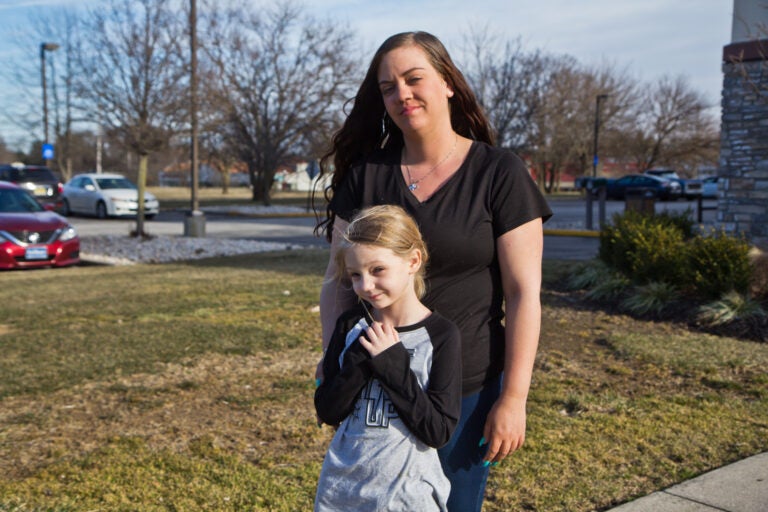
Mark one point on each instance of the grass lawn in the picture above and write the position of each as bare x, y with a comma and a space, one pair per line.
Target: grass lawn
180, 197
189, 387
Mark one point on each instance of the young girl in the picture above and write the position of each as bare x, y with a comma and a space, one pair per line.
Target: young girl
392, 375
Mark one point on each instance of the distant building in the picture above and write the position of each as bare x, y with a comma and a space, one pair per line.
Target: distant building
302, 177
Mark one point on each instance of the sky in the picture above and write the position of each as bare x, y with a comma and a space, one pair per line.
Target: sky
646, 38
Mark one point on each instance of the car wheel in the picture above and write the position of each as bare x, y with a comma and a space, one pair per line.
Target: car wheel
149, 216
65, 209
101, 210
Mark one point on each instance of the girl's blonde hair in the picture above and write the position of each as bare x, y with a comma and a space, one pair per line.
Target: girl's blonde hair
386, 226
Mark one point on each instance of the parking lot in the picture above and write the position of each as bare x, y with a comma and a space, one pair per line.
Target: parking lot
564, 230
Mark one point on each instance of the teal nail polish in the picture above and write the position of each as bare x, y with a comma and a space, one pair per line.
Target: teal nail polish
494, 464
482, 441
486, 463
317, 383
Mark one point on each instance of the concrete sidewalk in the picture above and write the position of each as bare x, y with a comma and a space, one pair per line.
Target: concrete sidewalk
738, 487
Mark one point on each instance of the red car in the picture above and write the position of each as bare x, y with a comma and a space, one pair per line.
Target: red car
32, 236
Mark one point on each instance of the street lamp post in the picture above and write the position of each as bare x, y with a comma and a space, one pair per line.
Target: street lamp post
600, 97
43, 48
194, 223
591, 185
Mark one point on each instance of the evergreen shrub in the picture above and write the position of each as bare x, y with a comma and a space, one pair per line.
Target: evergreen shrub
665, 248
718, 264
644, 247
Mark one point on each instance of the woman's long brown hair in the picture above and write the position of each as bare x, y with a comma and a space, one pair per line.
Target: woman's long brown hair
367, 129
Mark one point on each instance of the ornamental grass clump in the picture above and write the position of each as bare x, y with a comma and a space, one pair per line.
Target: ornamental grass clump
609, 289
654, 298
587, 275
746, 315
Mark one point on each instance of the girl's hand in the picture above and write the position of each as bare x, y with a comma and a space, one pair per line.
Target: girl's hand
378, 338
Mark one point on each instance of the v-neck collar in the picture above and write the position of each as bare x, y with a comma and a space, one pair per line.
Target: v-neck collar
411, 198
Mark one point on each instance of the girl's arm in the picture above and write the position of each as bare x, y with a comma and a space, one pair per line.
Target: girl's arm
336, 395
520, 254
431, 414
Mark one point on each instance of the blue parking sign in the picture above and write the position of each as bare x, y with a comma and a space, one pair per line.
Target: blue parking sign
47, 151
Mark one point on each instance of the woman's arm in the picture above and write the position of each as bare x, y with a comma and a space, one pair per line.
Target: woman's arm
520, 254
334, 297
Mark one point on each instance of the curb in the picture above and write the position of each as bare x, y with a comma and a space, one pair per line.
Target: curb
267, 215
572, 232
548, 232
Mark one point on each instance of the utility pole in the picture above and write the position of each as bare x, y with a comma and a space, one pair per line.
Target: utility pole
194, 225
600, 97
43, 48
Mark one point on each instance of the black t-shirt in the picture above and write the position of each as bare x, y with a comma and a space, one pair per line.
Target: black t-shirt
489, 195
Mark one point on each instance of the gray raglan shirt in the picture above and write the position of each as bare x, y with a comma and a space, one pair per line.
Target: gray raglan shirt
394, 410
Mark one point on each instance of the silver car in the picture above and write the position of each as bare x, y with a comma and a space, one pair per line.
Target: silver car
105, 195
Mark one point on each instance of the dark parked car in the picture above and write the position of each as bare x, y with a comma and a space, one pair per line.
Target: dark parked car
659, 188
31, 235
709, 189
38, 180
691, 187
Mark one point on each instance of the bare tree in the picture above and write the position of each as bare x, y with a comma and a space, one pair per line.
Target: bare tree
6, 155
131, 73
543, 106
56, 29
671, 126
564, 124
66, 112
280, 79
507, 81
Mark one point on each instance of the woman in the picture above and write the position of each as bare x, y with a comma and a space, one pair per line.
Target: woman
416, 137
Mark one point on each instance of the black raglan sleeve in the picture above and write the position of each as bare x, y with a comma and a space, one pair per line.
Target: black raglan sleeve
431, 414
336, 396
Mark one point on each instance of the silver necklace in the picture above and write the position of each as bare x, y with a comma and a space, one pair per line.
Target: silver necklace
414, 184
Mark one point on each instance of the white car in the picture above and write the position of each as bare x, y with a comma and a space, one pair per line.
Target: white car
105, 195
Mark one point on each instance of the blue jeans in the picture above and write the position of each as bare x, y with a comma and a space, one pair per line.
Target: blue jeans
462, 457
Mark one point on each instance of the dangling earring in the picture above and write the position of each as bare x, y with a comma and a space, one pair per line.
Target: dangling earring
384, 130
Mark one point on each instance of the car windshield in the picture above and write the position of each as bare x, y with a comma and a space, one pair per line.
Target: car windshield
37, 175
112, 183
18, 201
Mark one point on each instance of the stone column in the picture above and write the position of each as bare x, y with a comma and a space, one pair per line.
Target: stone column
743, 191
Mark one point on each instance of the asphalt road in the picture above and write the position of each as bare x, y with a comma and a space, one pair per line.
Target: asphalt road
562, 241
295, 230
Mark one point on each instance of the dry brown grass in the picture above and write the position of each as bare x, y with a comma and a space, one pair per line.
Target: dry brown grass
222, 417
